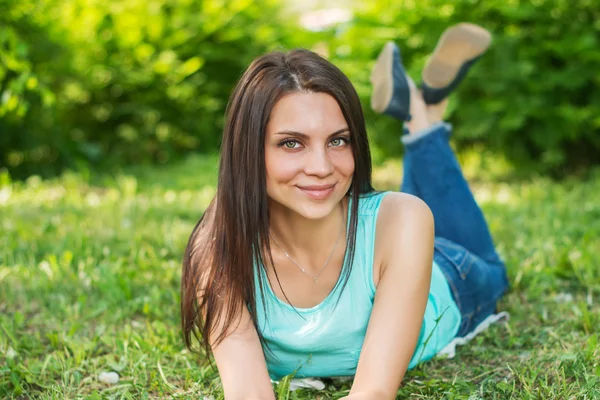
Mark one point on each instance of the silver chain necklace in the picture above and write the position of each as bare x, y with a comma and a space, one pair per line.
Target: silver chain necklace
316, 277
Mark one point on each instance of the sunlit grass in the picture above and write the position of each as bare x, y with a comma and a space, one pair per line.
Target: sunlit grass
90, 270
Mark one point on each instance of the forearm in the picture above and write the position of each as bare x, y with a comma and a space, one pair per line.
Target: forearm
399, 305
242, 365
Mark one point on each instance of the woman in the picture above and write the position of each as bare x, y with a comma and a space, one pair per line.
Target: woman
299, 266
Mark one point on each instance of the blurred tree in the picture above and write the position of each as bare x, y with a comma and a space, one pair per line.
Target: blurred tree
23, 91
128, 82
534, 96
110, 82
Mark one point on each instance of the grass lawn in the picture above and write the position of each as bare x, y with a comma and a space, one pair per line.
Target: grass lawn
89, 283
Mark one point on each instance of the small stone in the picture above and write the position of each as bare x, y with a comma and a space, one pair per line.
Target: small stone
563, 298
11, 353
525, 355
108, 377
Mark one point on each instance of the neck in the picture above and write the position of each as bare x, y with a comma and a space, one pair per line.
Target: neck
299, 236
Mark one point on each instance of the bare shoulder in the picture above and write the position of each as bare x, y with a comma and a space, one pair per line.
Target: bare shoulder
405, 223
402, 208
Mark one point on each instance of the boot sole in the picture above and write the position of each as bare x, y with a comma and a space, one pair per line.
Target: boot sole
457, 45
382, 79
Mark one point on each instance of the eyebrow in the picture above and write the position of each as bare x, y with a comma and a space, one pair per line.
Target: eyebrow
305, 136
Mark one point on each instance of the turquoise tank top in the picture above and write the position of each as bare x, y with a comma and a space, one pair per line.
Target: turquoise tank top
326, 340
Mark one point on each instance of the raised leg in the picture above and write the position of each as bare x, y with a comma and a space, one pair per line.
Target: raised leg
433, 170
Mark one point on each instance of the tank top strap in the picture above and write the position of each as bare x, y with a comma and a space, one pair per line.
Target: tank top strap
364, 253
369, 203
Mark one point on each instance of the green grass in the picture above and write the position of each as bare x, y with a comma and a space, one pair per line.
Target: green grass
89, 282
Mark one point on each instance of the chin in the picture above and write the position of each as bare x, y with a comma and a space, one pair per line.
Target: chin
315, 208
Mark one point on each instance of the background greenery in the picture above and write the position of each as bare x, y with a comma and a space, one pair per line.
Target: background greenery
89, 83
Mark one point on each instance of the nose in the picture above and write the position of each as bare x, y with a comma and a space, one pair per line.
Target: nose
318, 163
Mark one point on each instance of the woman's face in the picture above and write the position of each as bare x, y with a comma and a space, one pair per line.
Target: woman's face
308, 154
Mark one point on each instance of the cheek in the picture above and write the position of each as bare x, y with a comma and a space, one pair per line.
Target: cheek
280, 168
345, 163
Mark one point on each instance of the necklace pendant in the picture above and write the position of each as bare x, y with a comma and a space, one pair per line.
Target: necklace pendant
315, 278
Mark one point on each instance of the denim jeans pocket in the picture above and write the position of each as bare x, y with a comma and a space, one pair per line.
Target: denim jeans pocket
458, 256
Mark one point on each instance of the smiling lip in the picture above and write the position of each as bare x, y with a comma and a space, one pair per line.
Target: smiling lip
317, 192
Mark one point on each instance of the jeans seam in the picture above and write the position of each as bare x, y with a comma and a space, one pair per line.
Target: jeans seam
456, 295
472, 260
456, 266
466, 320
453, 288
459, 267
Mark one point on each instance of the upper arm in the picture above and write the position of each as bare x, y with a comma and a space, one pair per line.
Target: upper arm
405, 235
241, 362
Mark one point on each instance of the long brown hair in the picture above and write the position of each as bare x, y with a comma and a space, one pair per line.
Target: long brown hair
231, 239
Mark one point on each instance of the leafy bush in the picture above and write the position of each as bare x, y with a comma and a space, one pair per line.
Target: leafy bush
130, 82
118, 82
23, 91
534, 96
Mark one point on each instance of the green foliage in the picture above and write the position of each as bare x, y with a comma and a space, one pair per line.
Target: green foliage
533, 96
90, 274
130, 82
113, 82
23, 90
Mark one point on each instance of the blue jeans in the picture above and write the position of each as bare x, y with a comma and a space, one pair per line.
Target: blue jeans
463, 248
